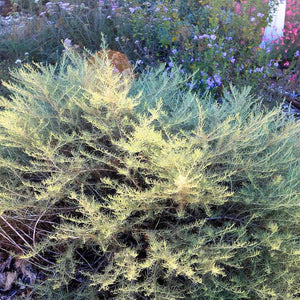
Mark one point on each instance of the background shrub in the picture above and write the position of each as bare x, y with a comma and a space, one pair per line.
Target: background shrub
117, 202
218, 39
289, 43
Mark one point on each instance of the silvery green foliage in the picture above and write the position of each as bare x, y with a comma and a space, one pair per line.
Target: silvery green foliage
174, 91
108, 194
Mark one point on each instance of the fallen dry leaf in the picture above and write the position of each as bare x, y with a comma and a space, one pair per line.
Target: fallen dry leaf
10, 279
25, 269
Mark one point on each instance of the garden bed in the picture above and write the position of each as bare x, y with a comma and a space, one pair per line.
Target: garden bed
180, 181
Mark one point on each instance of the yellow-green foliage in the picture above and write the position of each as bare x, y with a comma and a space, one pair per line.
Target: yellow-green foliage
118, 204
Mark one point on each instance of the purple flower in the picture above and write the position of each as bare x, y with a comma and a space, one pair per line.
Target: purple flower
260, 15
218, 79
276, 64
232, 60
213, 37
67, 43
297, 53
174, 51
260, 70
210, 82
224, 54
203, 36
133, 9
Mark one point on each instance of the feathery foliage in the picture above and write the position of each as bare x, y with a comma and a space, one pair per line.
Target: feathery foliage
106, 192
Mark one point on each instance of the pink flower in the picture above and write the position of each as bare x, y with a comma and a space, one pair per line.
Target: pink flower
238, 8
293, 78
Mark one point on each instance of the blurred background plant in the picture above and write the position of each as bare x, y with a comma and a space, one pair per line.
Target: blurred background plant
218, 39
289, 43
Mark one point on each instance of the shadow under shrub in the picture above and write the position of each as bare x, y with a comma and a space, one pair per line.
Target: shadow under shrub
135, 208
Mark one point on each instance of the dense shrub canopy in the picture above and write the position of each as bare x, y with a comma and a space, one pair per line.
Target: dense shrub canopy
113, 199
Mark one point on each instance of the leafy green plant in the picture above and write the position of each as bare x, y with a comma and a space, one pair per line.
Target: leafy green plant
111, 200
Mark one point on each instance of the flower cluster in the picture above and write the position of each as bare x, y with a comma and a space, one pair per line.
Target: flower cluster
290, 41
51, 7
217, 39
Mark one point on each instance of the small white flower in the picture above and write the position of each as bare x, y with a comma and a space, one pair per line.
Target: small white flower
18, 61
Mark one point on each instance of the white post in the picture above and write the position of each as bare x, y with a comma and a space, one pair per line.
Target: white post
274, 30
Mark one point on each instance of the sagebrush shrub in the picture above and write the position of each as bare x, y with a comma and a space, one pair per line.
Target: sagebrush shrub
117, 201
